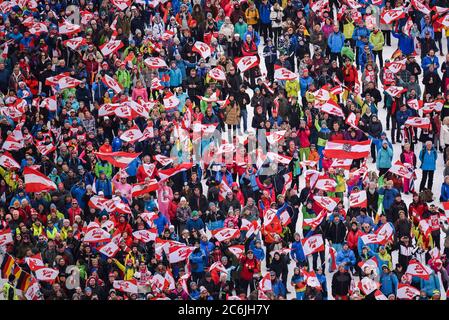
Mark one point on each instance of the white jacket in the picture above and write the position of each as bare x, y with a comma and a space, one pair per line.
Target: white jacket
276, 15
444, 135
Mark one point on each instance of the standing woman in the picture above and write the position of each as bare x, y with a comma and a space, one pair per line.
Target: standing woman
408, 156
428, 157
249, 266
232, 116
444, 137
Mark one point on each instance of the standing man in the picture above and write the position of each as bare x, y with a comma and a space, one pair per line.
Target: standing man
428, 157
336, 42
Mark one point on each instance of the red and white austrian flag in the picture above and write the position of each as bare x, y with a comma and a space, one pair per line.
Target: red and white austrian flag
75, 43
276, 136
145, 235
347, 149
415, 104
395, 91
388, 16
63, 81
322, 94
237, 250
281, 73
36, 181
128, 286
315, 222
110, 47
155, 63
358, 199
11, 144
225, 234
372, 238
117, 159
163, 160
144, 188
45, 149
5, 237
368, 285
246, 63
68, 28
378, 295
34, 262
418, 122
386, 232
217, 74
279, 158
342, 163
167, 173
396, 66
440, 10
326, 184
406, 292
46, 274
418, 5
203, 49
8, 162
313, 244
417, 269
96, 235
132, 134
121, 4
327, 203
112, 83
50, 104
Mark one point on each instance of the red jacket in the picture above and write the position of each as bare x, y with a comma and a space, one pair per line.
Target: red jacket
303, 136
353, 238
249, 268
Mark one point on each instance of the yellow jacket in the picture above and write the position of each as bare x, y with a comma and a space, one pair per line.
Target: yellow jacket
8, 177
128, 272
252, 16
292, 88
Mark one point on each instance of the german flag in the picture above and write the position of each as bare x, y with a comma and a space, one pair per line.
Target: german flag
7, 266
23, 279
396, 53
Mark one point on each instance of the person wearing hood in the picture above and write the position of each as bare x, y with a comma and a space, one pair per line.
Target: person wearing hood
384, 158
346, 257
388, 281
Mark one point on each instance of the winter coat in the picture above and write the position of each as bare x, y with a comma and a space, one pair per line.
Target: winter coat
388, 283
347, 257
428, 159
384, 158
336, 42
232, 115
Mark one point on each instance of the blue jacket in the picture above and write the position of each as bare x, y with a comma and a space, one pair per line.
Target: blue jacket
228, 176
402, 116
406, 43
427, 61
175, 77
195, 224
428, 160
131, 170
444, 196
105, 186
297, 251
372, 246
278, 288
384, 157
430, 285
360, 32
198, 260
336, 42
388, 283
389, 195
264, 13
207, 247
365, 219
160, 222
78, 192
346, 256
258, 252
304, 84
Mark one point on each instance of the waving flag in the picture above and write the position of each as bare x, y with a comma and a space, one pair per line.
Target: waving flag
217, 74
396, 66
372, 238
331, 107
8, 162
313, 244
418, 5
327, 203
12, 144
121, 4
371, 263
171, 101
403, 170
96, 235
155, 63
223, 234
386, 232
143, 188
145, 235
346, 149
46, 274
179, 253
281, 73
203, 49
111, 47
117, 159
440, 10
163, 160
326, 184
415, 104
112, 83
314, 222
406, 292
50, 104
5, 237
45, 149
68, 28
358, 199
237, 250
75, 43
395, 91
388, 16
378, 295
423, 123
37, 28
367, 285
246, 63
417, 269
276, 136
342, 163
36, 181
128, 286
132, 135
62, 81
167, 173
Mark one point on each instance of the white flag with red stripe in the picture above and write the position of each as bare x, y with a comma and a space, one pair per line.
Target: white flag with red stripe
346, 149
415, 104
46, 274
358, 199
326, 184
12, 144
313, 244
372, 238
177, 253
163, 160
75, 43
167, 173
367, 285
96, 235
315, 222
246, 63
50, 104
378, 295
203, 49
128, 286
37, 28
395, 91
217, 74
143, 188
112, 83
121, 4
396, 66
342, 163
170, 101
417, 269
331, 107
237, 250
36, 181
132, 134
327, 203
418, 5
110, 249
5, 237
145, 235
68, 28
401, 169
265, 282
117, 159
45, 149
388, 16
35, 261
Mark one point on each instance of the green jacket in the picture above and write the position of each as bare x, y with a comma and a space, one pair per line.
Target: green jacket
307, 214
124, 78
377, 40
107, 168
240, 28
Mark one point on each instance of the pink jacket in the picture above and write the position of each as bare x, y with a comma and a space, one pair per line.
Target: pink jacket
140, 92
164, 197
124, 188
